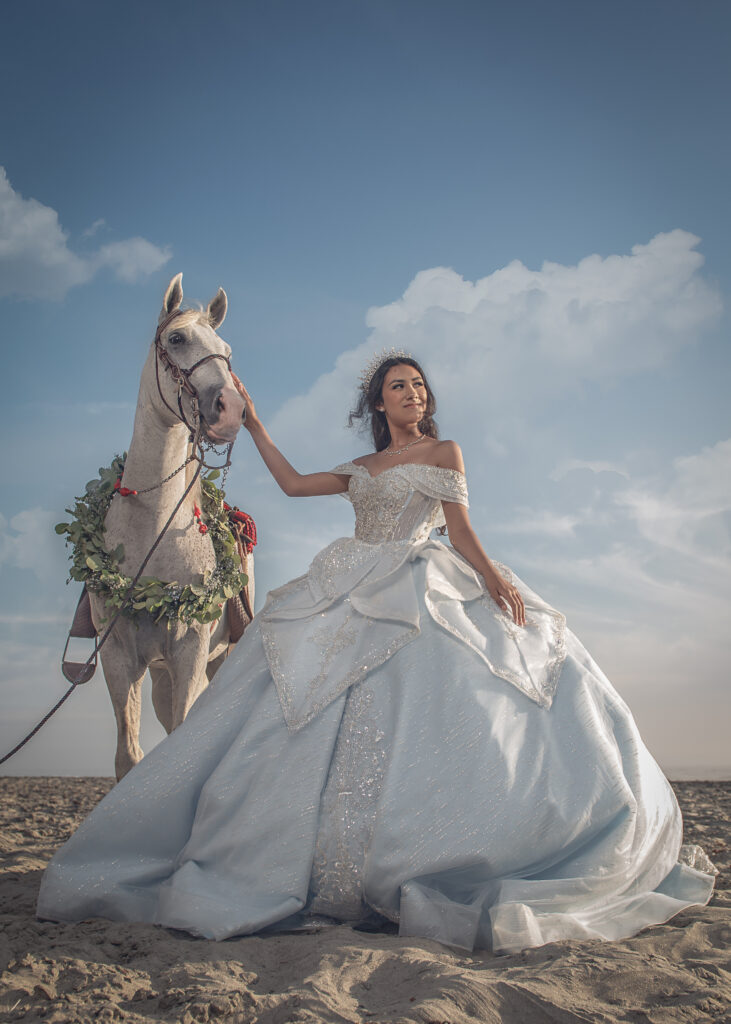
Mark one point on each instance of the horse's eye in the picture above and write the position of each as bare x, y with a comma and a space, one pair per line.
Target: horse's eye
176, 339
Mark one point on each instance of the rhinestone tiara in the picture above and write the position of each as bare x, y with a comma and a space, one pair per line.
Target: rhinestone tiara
380, 357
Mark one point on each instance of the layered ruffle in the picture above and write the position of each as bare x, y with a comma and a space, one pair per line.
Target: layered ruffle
359, 603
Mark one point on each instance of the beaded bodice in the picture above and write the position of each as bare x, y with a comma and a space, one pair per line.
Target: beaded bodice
403, 502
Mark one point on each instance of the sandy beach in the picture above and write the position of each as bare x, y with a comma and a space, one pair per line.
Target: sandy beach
110, 971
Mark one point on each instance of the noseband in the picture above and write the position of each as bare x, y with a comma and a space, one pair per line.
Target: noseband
180, 374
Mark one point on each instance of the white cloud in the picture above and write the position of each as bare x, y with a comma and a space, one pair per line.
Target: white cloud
29, 542
540, 522
613, 315
518, 339
93, 228
567, 466
132, 259
690, 514
35, 258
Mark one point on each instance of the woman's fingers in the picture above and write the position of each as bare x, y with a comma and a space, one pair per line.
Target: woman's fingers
249, 410
509, 600
240, 387
518, 607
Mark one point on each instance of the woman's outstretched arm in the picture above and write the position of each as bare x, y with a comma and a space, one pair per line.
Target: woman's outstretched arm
464, 539
294, 484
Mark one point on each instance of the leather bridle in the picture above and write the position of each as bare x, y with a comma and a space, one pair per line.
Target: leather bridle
180, 374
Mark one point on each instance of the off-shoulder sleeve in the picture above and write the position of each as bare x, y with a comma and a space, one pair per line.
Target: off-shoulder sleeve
345, 469
444, 484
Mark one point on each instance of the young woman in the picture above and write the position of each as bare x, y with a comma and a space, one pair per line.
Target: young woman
405, 733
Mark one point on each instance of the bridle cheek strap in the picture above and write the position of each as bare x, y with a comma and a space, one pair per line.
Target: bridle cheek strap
180, 374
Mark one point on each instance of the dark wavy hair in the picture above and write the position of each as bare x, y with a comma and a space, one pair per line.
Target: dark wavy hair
365, 413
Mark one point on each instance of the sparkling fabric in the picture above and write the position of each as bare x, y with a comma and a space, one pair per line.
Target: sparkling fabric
384, 741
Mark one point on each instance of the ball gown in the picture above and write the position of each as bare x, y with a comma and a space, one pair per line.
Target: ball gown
386, 743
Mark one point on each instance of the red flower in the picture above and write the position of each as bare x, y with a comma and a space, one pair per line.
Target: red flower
196, 512
203, 528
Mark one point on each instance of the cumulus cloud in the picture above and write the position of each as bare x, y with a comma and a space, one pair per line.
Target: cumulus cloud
37, 262
132, 259
523, 337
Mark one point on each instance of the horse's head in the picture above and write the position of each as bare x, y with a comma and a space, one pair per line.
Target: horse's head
193, 363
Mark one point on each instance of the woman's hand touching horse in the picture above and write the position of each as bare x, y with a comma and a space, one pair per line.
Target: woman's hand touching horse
294, 484
249, 418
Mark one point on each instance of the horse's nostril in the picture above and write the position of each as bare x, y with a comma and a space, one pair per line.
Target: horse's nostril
220, 404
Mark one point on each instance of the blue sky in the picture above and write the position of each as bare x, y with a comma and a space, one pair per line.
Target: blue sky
531, 196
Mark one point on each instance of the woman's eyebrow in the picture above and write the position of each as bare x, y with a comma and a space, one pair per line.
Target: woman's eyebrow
402, 380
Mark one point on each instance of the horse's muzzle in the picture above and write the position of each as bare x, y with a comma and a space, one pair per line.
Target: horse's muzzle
222, 410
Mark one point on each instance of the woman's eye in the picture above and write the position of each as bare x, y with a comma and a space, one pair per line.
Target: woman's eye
176, 339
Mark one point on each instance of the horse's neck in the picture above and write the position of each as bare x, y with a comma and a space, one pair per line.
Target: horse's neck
154, 452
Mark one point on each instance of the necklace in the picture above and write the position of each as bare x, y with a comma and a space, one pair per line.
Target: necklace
388, 451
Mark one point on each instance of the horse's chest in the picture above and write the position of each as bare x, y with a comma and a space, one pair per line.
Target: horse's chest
184, 554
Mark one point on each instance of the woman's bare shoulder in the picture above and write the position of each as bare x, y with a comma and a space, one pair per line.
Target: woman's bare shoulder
448, 455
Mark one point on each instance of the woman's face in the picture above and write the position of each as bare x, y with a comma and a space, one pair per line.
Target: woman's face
404, 397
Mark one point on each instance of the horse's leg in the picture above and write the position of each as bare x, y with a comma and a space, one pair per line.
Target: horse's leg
186, 659
124, 677
218, 645
124, 669
162, 695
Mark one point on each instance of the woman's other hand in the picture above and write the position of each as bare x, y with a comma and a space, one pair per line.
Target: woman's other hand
506, 597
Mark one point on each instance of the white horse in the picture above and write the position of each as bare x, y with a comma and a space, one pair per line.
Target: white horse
183, 657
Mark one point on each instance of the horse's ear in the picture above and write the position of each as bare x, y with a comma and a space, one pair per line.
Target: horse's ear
217, 309
173, 297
